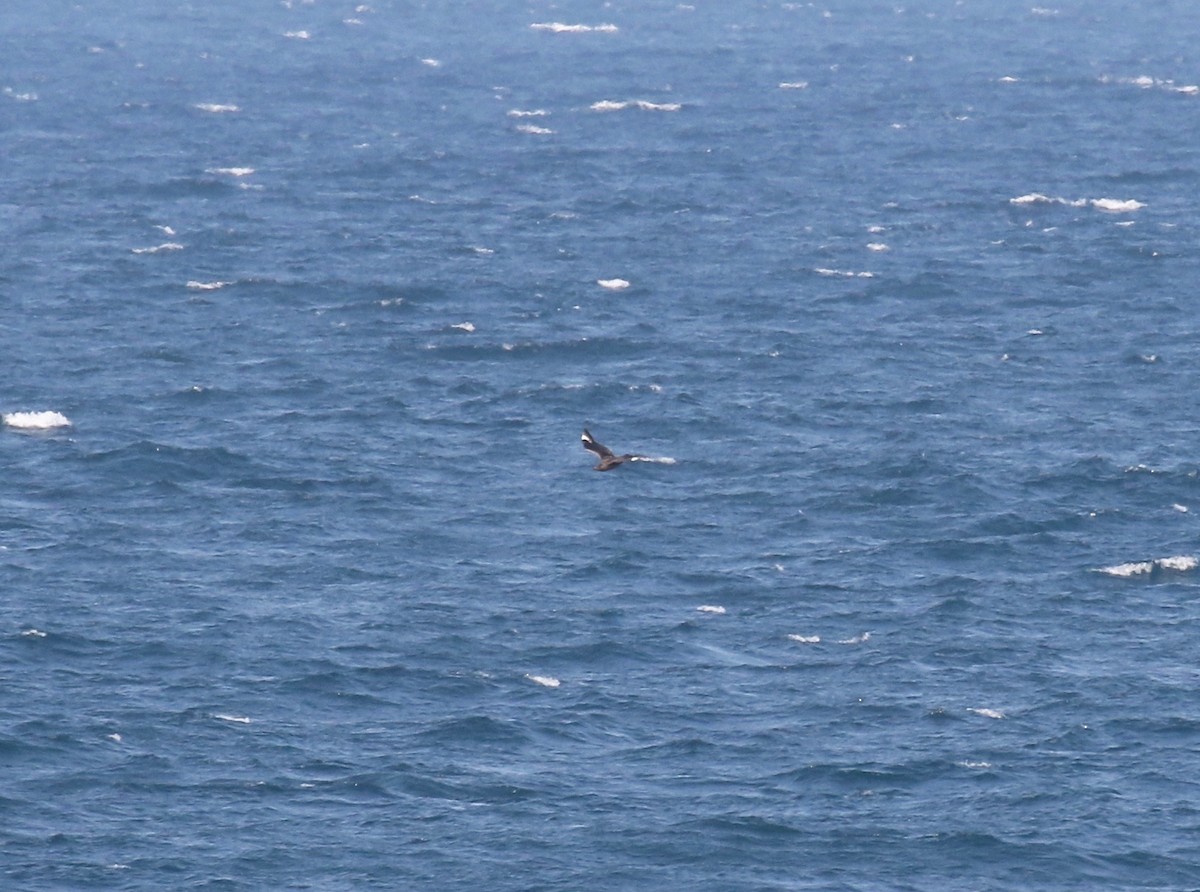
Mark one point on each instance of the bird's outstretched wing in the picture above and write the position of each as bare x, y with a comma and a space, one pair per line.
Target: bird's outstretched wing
590, 444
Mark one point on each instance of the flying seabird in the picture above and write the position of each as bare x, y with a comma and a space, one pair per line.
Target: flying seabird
608, 461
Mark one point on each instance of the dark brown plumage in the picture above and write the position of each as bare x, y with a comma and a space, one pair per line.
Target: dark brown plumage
608, 460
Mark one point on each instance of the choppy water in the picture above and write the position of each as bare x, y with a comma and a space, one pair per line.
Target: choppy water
306, 583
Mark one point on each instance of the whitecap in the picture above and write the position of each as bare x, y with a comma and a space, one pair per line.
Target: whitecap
966, 763
1182, 509
165, 230
857, 639
464, 326
297, 35
238, 719
793, 85
1179, 564
1116, 205
1183, 563
609, 105
846, 274
546, 681
166, 246
805, 639
35, 420
534, 130
483, 252
711, 608
655, 459
563, 28
230, 171
613, 284
432, 63
20, 97
530, 113
878, 246
193, 285
988, 713
216, 108
34, 633
115, 738
1108, 205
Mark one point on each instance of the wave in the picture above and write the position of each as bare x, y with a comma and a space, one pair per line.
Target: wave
157, 249
562, 28
237, 719
230, 171
194, 285
216, 108
845, 274
1109, 205
1177, 564
36, 421
608, 105
613, 284
1146, 82
534, 130
546, 681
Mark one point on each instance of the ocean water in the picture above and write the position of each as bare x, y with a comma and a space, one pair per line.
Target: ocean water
307, 583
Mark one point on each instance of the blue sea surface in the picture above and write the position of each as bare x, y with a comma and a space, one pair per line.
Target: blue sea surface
307, 583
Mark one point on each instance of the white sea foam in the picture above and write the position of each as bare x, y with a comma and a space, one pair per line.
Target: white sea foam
613, 284
166, 246
165, 230
988, 713
528, 113
1146, 82
432, 63
563, 28
115, 738
546, 681
712, 608
216, 108
805, 639
966, 763
609, 105
464, 326
878, 246
297, 35
857, 639
20, 97
845, 274
36, 421
238, 719
34, 633
534, 129
206, 286
1182, 509
655, 459
793, 85
1109, 205
1115, 205
230, 171
1178, 564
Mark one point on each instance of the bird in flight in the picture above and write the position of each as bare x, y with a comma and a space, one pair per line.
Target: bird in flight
608, 460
